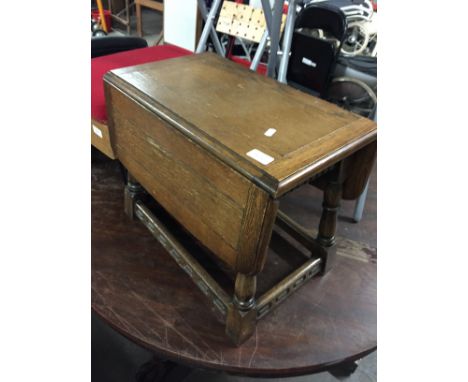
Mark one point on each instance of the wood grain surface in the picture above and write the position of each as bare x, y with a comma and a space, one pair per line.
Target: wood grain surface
215, 203
139, 290
100, 138
226, 109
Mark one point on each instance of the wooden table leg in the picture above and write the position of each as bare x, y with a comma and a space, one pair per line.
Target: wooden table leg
133, 192
330, 207
242, 314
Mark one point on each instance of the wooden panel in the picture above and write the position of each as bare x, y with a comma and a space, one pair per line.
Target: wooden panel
203, 194
231, 108
156, 5
258, 24
226, 16
169, 141
100, 138
326, 153
251, 256
358, 168
243, 21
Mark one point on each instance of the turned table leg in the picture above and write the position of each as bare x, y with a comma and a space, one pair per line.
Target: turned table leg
327, 227
133, 192
242, 313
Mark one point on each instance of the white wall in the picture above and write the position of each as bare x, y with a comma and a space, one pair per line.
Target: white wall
180, 21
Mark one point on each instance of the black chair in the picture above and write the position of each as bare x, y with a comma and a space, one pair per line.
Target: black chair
102, 46
320, 30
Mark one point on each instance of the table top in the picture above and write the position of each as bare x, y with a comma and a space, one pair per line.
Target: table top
261, 128
139, 290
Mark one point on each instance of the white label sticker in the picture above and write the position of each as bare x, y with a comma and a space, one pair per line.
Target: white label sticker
308, 62
270, 132
97, 131
260, 156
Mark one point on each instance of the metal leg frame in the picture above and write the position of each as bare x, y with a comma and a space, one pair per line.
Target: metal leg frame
209, 28
273, 20
268, 15
359, 207
263, 42
244, 47
287, 39
274, 37
259, 53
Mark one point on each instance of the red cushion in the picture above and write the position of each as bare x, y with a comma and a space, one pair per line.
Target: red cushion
101, 65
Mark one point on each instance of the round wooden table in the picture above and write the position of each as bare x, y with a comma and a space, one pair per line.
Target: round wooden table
139, 290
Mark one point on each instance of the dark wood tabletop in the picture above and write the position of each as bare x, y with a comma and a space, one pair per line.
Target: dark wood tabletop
228, 109
140, 291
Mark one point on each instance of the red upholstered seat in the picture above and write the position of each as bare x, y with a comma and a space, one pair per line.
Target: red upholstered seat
101, 65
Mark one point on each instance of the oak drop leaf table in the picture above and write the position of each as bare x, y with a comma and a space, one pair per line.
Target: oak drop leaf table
140, 291
217, 146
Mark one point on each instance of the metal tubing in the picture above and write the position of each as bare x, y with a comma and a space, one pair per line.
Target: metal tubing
244, 47
359, 207
268, 14
259, 53
208, 25
287, 39
214, 36
275, 37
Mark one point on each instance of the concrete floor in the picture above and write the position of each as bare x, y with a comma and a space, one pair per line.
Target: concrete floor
116, 359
